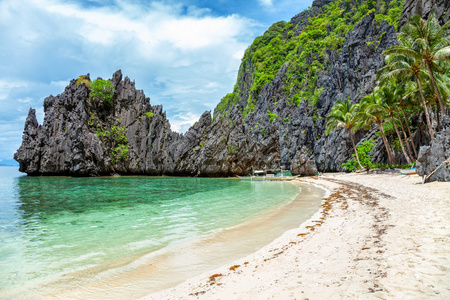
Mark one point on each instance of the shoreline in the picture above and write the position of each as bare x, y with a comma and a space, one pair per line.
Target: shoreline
375, 236
174, 264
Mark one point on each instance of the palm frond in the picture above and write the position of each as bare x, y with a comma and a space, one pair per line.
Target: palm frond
443, 54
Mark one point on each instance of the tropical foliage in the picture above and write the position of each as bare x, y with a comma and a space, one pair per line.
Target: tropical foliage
363, 150
414, 81
102, 91
83, 79
345, 115
373, 111
301, 51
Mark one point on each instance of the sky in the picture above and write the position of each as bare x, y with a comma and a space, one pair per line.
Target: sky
184, 54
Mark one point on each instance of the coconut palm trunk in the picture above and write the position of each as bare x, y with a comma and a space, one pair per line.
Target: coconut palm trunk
354, 148
386, 143
408, 160
409, 132
424, 104
344, 114
438, 94
404, 134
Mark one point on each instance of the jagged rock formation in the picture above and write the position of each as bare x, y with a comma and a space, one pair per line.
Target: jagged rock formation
430, 157
425, 8
67, 143
351, 73
303, 163
79, 137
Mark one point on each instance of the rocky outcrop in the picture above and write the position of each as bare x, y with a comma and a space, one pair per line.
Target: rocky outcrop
303, 163
30, 150
432, 156
425, 8
80, 137
352, 74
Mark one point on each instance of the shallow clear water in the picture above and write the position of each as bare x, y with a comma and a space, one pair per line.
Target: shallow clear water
51, 227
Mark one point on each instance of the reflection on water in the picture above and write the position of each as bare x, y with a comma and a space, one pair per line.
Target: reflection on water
51, 226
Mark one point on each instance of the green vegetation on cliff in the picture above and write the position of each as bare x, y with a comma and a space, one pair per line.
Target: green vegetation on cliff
102, 91
302, 51
414, 80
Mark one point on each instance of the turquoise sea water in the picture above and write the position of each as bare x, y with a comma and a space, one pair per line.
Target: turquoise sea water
54, 227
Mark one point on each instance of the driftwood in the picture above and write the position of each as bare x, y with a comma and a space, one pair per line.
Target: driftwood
447, 162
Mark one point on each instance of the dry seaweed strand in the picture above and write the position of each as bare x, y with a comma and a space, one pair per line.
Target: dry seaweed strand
347, 190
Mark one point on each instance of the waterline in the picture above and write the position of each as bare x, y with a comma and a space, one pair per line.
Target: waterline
83, 238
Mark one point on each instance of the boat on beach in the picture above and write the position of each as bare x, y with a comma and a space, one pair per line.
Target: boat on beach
260, 175
411, 171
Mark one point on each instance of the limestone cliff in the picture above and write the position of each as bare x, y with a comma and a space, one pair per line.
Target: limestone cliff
433, 157
267, 122
425, 8
80, 138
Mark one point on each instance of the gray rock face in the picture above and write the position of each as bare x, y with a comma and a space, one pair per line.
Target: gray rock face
425, 8
430, 157
79, 137
68, 142
30, 150
352, 74
303, 163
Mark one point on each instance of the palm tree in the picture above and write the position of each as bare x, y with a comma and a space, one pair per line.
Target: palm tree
406, 67
372, 110
427, 42
408, 101
399, 92
387, 93
443, 85
344, 115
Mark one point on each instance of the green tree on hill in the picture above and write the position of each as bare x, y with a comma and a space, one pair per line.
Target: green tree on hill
102, 91
400, 66
345, 115
389, 95
372, 110
428, 43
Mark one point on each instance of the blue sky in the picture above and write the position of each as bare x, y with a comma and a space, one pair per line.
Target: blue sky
184, 54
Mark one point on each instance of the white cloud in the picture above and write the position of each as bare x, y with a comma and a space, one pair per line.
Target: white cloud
183, 121
266, 3
25, 100
6, 86
183, 58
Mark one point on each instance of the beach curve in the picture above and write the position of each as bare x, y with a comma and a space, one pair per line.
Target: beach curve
375, 236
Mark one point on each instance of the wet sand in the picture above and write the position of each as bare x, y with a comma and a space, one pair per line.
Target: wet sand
376, 236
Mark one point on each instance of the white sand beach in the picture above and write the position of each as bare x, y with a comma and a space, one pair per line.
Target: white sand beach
377, 236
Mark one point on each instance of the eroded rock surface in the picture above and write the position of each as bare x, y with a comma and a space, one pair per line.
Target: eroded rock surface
81, 138
425, 8
432, 156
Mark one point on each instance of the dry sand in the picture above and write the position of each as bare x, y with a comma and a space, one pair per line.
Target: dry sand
381, 236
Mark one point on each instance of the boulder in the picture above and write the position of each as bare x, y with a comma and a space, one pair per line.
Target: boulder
432, 156
303, 163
